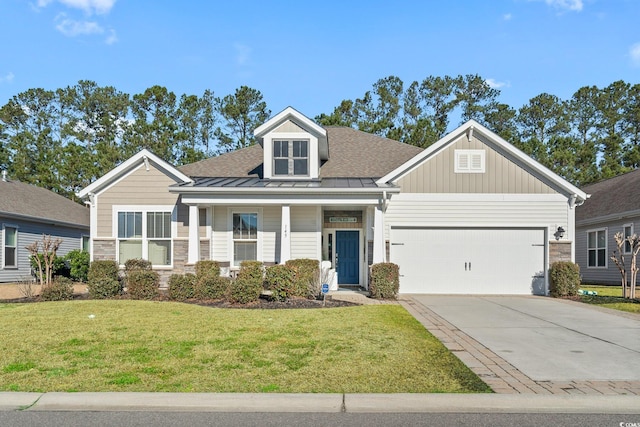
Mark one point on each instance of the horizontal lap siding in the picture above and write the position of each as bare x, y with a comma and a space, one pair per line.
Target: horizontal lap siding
31, 232
271, 233
412, 211
141, 187
611, 274
220, 234
305, 237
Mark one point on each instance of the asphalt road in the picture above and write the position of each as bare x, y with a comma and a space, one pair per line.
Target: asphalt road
194, 419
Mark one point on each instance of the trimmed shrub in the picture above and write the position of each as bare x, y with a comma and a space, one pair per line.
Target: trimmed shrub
61, 289
212, 287
103, 279
384, 280
137, 264
279, 280
103, 269
207, 268
78, 265
305, 277
142, 284
104, 288
58, 267
248, 286
564, 277
182, 287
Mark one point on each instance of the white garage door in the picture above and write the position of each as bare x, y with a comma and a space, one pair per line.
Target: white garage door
469, 261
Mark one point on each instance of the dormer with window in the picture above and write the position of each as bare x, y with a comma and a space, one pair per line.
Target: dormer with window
293, 146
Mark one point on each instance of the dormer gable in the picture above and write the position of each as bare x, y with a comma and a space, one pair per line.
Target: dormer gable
293, 146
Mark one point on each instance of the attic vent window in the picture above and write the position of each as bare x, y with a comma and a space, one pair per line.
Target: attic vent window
469, 161
291, 158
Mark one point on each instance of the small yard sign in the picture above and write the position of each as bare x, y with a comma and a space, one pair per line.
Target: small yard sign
325, 288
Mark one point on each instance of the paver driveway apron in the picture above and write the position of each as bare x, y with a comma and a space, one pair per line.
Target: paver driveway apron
546, 339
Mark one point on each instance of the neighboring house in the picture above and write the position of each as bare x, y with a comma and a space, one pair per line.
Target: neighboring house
470, 214
26, 213
613, 206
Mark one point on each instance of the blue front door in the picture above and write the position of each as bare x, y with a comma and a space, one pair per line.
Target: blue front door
347, 257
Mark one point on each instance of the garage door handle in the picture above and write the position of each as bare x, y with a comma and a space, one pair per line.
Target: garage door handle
397, 244
465, 266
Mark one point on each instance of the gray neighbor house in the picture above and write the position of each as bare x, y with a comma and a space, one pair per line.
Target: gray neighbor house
614, 206
26, 213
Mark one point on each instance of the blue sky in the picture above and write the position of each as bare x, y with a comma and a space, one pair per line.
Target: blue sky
311, 55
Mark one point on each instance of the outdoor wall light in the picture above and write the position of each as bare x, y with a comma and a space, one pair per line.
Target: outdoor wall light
559, 234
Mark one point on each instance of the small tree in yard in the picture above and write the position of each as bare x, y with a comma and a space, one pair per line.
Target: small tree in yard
628, 289
45, 261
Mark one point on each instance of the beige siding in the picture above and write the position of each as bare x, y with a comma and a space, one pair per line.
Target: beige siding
141, 187
305, 238
501, 175
288, 126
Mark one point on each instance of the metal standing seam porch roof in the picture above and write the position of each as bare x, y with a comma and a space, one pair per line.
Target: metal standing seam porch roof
225, 183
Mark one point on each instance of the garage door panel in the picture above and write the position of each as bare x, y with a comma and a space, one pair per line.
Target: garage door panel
469, 261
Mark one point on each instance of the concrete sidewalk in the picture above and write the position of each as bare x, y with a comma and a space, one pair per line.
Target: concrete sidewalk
363, 403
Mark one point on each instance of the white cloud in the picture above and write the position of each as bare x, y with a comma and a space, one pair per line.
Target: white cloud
507, 17
88, 6
70, 27
242, 53
634, 53
7, 78
572, 5
112, 37
493, 83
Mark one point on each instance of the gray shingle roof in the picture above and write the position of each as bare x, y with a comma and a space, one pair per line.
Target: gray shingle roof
612, 196
352, 154
18, 198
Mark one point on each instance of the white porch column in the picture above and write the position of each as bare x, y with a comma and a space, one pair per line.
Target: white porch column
285, 235
194, 235
379, 253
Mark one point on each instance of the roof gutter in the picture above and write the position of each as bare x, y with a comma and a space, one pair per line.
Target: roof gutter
280, 190
43, 220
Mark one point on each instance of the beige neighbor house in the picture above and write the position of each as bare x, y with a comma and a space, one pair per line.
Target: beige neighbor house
470, 214
613, 207
26, 213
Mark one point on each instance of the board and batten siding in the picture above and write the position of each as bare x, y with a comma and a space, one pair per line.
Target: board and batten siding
471, 210
140, 187
29, 232
501, 175
599, 275
288, 126
305, 232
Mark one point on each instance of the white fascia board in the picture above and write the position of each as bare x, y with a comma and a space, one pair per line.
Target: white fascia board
125, 166
510, 148
285, 114
208, 199
480, 197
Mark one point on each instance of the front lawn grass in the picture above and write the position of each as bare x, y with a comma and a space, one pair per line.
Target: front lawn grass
610, 297
173, 347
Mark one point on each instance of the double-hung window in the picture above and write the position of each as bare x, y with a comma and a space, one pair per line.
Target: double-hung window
291, 158
245, 237
597, 248
10, 247
628, 232
145, 235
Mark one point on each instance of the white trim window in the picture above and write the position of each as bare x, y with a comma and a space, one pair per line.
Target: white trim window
627, 231
245, 237
146, 235
597, 248
291, 158
85, 244
10, 247
469, 161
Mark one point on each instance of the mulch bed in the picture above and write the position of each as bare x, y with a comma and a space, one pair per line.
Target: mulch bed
262, 303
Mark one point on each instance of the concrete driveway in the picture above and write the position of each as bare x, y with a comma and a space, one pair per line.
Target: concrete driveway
544, 338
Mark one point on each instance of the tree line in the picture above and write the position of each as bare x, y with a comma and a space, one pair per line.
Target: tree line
66, 138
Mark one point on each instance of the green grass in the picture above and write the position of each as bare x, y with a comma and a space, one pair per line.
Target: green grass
610, 297
173, 347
